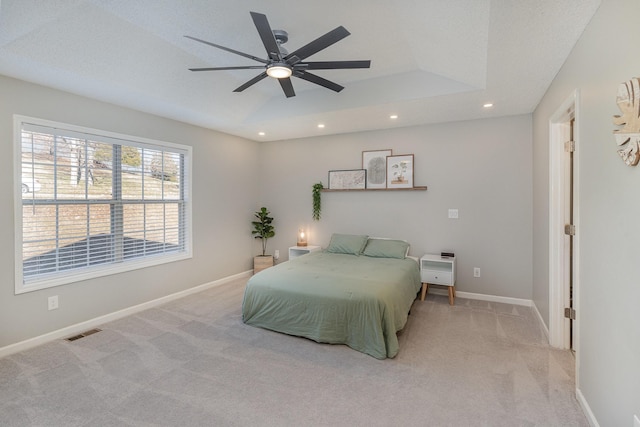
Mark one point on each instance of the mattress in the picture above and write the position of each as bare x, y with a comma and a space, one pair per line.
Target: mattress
335, 298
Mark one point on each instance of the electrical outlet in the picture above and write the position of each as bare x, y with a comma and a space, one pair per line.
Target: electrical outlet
476, 271
53, 302
276, 254
453, 213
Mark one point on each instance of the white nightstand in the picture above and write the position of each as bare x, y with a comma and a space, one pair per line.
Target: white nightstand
296, 251
436, 270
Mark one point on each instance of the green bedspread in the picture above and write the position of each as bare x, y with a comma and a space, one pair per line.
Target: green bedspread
335, 298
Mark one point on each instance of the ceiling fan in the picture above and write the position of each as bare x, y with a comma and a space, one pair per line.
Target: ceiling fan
281, 65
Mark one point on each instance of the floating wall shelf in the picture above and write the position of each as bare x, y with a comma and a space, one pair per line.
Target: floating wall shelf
327, 190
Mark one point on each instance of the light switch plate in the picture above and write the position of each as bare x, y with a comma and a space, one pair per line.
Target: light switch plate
453, 213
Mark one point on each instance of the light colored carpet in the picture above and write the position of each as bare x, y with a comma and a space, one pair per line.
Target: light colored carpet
193, 362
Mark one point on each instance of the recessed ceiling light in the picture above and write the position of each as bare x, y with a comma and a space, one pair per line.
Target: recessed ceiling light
261, 133
488, 105
393, 116
321, 125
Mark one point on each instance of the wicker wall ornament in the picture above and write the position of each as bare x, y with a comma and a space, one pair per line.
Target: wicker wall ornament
628, 137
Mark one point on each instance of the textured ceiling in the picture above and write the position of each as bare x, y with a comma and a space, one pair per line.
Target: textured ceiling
432, 60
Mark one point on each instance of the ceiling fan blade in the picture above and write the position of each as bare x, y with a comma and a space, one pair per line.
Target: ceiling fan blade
251, 82
332, 65
318, 44
248, 67
287, 87
318, 80
246, 55
266, 34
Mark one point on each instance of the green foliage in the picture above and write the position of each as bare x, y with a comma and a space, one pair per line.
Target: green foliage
131, 156
262, 229
103, 153
317, 188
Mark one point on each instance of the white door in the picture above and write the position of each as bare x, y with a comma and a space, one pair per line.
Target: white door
563, 226
569, 235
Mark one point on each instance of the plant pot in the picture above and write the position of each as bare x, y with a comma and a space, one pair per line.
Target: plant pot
262, 262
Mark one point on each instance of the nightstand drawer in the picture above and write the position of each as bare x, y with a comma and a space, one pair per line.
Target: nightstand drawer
436, 277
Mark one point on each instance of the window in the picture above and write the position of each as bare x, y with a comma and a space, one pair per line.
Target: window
92, 203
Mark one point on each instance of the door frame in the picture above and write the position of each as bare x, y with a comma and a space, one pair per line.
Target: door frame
559, 333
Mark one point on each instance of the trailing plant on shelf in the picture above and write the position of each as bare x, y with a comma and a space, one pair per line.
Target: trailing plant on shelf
262, 228
317, 188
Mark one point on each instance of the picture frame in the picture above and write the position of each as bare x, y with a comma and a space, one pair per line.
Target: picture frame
350, 179
400, 171
375, 163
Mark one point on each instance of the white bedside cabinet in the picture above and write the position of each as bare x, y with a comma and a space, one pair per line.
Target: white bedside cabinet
296, 251
436, 270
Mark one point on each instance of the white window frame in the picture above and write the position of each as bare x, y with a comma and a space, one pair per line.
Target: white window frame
76, 275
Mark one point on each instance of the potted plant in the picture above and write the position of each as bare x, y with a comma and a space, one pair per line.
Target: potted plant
317, 188
263, 229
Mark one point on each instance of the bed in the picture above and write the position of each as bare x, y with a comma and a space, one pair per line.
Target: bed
356, 292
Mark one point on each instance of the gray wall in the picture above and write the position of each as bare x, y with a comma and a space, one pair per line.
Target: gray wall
609, 327
483, 168
224, 193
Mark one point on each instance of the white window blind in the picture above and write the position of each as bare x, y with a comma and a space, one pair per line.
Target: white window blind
96, 203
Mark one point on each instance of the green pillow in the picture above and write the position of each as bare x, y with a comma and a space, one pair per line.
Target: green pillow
347, 244
386, 248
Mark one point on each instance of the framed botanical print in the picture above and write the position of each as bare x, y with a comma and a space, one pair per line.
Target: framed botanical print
375, 163
400, 171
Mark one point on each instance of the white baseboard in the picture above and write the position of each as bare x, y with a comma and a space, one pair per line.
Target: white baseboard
495, 298
95, 322
544, 325
591, 418
483, 297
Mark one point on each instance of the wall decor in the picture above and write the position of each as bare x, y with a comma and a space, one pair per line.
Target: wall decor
347, 179
400, 171
628, 137
375, 163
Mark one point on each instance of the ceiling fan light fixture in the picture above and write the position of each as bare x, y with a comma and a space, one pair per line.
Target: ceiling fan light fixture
279, 71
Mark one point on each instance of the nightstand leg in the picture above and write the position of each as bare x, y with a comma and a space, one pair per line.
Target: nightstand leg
425, 289
452, 294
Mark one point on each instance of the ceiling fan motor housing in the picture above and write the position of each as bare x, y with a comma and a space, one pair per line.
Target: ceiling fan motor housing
281, 36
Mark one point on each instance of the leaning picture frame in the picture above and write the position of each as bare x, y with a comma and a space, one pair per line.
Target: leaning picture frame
400, 171
352, 179
375, 163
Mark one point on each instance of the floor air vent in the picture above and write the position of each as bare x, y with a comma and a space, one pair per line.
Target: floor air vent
84, 334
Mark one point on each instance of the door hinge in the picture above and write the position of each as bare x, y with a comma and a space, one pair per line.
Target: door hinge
570, 313
570, 230
570, 146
